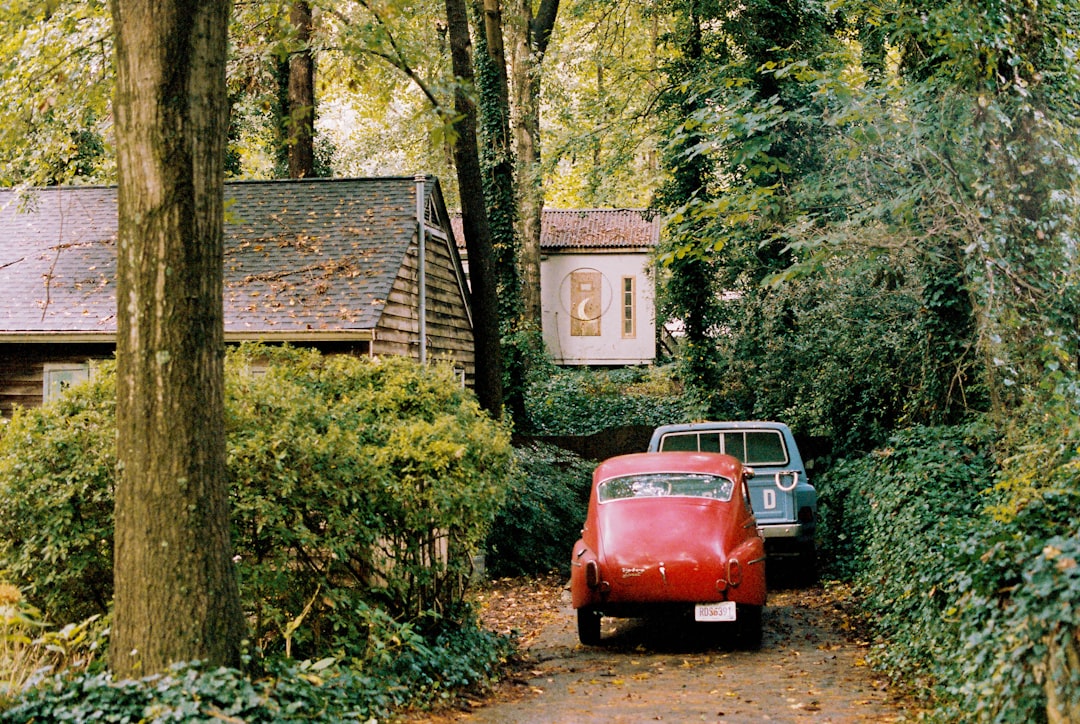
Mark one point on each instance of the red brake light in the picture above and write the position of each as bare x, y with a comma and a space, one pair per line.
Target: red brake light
592, 574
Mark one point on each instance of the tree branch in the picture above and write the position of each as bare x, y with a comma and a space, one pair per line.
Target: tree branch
397, 59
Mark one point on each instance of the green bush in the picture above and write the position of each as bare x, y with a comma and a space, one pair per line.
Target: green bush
1018, 617
544, 510
896, 519
56, 502
287, 691
357, 485
582, 401
982, 610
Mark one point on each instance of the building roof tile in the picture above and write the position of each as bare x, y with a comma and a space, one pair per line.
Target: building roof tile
591, 229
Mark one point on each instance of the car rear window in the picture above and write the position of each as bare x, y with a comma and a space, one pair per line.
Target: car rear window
655, 485
752, 447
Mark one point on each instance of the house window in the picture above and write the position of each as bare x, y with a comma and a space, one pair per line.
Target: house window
628, 317
58, 377
585, 303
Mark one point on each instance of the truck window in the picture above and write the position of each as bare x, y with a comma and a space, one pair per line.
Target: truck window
765, 447
735, 444
709, 442
679, 443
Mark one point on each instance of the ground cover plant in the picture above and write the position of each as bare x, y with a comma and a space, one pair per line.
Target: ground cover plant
975, 609
568, 401
361, 490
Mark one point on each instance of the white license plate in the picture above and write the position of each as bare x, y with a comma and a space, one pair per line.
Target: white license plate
723, 611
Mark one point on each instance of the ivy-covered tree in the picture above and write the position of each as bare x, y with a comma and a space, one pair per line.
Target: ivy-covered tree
734, 150
692, 294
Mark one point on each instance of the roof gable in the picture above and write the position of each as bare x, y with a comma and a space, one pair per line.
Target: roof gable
300, 256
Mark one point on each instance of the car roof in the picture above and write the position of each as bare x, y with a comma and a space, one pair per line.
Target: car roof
721, 425
669, 462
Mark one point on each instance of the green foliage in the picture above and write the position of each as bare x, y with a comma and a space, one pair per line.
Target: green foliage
416, 671
32, 649
741, 136
580, 402
55, 87
895, 518
981, 611
57, 471
358, 486
600, 135
545, 507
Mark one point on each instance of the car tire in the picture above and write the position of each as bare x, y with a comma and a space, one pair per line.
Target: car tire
808, 565
588, 626
748, 627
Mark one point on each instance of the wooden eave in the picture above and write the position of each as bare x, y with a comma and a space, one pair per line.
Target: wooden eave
314, 335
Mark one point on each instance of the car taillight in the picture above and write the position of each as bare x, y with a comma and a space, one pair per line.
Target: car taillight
806, 514
734, 572
592, 574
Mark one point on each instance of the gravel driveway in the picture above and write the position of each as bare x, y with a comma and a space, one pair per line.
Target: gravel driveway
811, 666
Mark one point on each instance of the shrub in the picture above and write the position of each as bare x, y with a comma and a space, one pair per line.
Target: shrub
56, 489
583, 401
415, 671
356, 484
1018, 618
979, 608
31, 649
898, 517
545, 507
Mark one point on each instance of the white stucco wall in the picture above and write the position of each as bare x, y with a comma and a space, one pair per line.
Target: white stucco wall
610, 347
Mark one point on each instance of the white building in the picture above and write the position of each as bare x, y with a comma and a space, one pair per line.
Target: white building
597, 286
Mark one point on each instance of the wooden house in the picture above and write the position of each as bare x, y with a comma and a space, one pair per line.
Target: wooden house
597, 287
328, 263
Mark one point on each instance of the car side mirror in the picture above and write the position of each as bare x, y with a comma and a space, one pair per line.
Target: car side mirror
748, 473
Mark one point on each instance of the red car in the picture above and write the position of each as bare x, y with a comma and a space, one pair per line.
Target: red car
670, 533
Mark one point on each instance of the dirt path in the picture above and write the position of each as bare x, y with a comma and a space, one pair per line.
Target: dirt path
810, 667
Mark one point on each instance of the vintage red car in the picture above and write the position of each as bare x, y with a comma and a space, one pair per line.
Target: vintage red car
670, 533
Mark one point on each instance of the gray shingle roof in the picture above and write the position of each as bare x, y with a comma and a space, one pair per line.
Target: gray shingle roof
300, 256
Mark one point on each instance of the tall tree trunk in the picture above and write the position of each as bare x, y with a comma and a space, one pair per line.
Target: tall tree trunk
497, 171
176, 595
530, 41
301, 116
474, 220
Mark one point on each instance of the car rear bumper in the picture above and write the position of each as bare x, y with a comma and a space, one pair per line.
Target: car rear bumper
784, 530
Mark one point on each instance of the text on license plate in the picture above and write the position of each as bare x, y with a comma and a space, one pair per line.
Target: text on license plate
723, 611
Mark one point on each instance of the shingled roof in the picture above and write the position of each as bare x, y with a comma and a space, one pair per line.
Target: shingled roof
301, 257
591, 229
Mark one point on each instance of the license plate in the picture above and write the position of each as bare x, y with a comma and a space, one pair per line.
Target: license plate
723, 611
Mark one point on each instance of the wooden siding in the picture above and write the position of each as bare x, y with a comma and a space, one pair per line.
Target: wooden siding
449, 330
22, 369
22, 366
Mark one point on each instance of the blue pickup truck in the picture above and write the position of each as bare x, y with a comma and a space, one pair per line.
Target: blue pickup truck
784, 501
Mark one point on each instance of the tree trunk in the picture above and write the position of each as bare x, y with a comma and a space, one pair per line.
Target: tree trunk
301, 116
176, 595
497, 172
474, 220
531, 36
1062, 706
